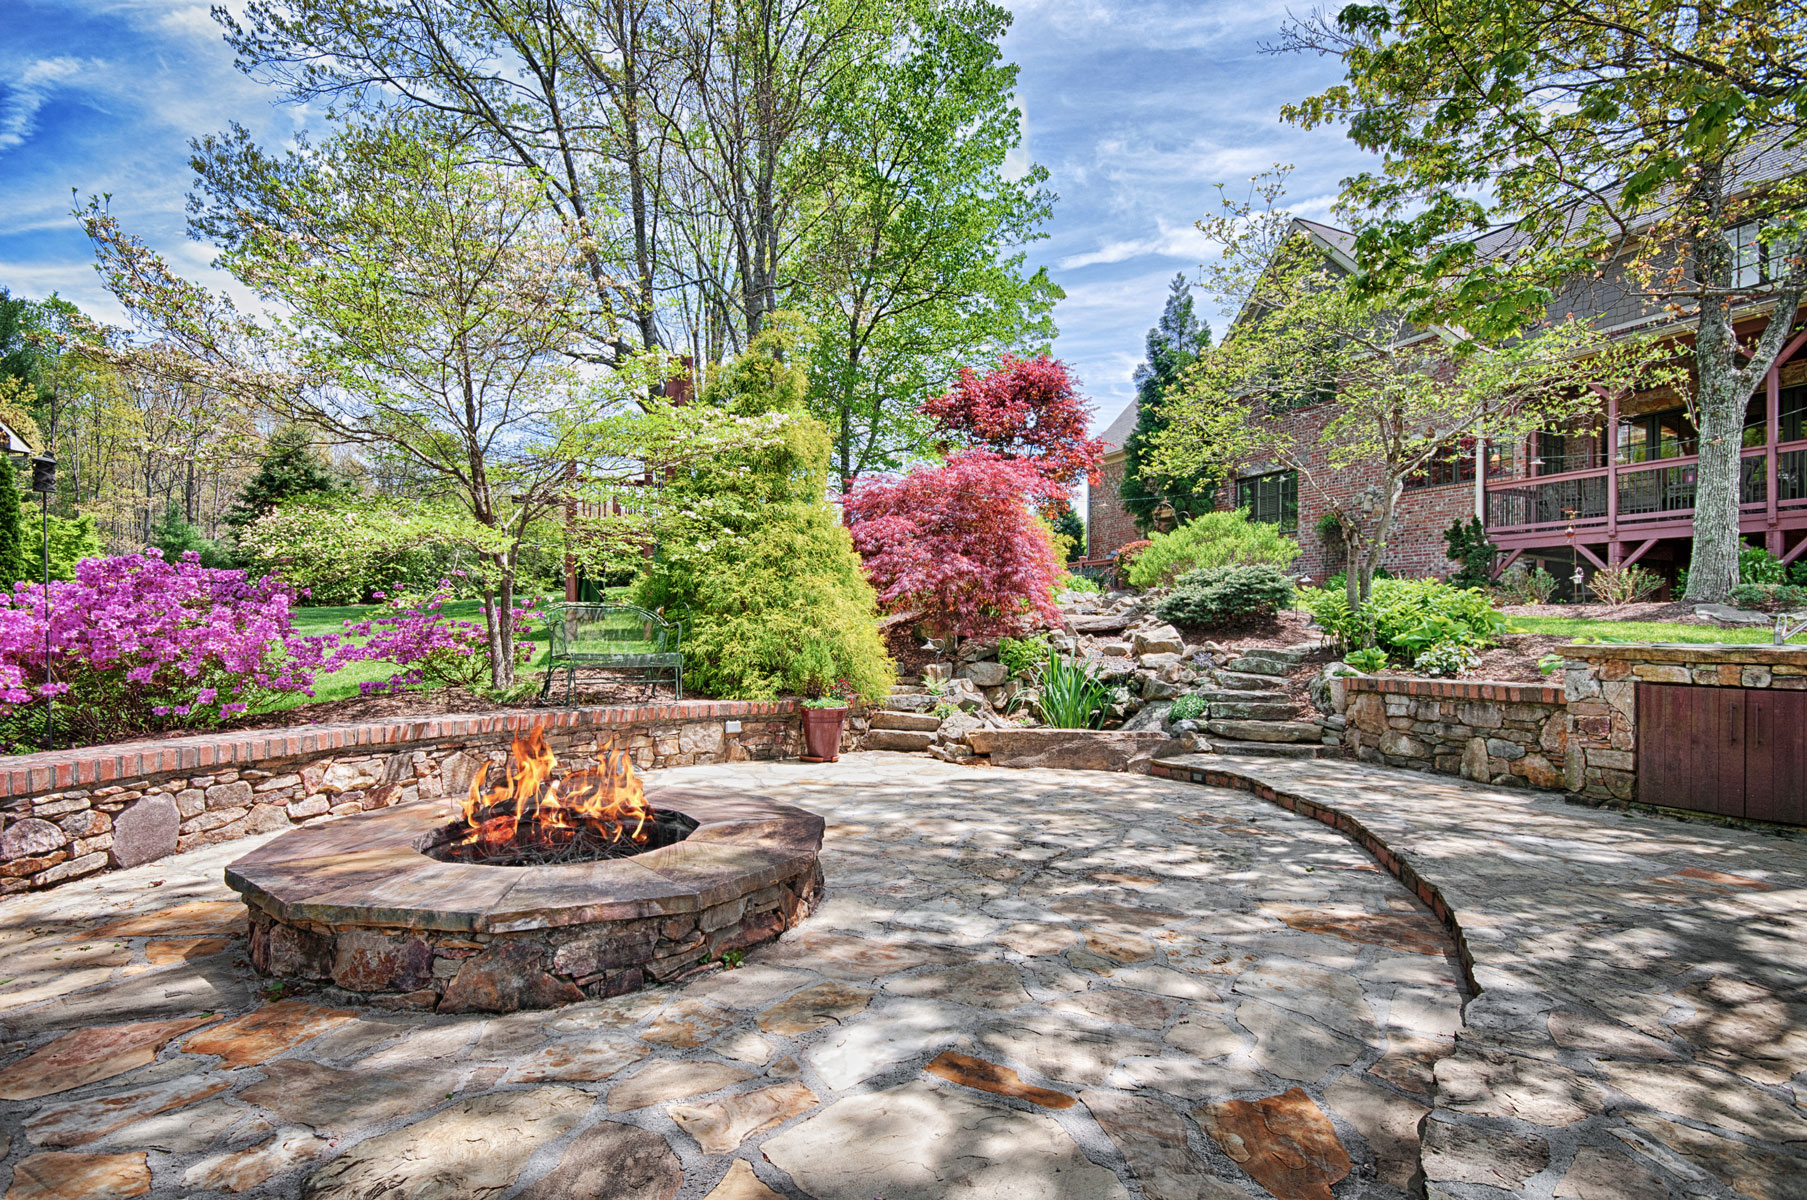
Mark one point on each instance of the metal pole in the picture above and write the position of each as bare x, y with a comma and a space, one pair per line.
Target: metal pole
49, 697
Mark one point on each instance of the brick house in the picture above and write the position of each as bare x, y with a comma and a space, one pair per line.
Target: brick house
1615, 487
1108, 524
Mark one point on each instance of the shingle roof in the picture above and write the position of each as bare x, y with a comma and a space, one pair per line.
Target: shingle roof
1118, 431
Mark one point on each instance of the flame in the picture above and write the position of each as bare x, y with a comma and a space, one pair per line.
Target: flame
607, 801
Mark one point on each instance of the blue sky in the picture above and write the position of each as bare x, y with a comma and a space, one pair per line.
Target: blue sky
1136, 108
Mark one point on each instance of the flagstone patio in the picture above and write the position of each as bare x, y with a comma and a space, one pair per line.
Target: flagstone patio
1026, 984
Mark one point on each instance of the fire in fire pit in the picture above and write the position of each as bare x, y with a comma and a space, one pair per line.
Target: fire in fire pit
532, 819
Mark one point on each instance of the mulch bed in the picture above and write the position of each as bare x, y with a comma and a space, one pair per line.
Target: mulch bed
907, 651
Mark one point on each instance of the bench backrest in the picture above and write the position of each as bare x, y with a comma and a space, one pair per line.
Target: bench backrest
609, 629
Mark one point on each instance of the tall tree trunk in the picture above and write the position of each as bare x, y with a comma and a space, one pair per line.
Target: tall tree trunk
1719, 404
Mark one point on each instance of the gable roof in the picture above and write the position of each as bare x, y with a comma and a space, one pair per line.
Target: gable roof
1117, 432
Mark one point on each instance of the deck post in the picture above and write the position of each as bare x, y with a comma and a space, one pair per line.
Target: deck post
1611, 448
1772, 430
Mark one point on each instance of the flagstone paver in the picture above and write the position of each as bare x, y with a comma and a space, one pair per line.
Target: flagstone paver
1641, 1022
1026, 983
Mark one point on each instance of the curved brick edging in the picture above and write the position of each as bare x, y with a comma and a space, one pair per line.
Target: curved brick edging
1457, 689
70, 814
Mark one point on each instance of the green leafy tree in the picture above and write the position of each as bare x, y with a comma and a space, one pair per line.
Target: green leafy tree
752, 559
72, 539
912, 265
13, 566
1173, 346
173, 535
1393, 400
432, 308
289, 469
1545, 154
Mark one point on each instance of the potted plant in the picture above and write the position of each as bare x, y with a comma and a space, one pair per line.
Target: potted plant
824, 716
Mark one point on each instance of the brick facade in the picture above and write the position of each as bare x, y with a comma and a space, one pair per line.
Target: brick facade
1108, 524
1415, 549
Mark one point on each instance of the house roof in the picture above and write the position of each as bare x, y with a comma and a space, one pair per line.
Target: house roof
1117, 432
14, 443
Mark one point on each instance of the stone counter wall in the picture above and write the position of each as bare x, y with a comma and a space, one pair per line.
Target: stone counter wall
1601, 687
1513, 734
72, 814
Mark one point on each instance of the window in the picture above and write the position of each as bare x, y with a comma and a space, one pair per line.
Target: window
1273, 498
1654, 436
1753, 262
1792, 408
1453, 464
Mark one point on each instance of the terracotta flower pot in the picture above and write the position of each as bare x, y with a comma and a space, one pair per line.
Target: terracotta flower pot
822, 733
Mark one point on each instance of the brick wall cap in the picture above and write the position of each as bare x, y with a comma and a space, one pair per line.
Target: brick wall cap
1684, 652
1456, 689
33, 773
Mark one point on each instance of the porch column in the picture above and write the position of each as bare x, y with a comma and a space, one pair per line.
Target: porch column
1480, 480
1772, 429
1611, 440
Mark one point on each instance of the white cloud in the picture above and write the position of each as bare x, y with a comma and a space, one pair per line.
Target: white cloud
1168, 241
32, 90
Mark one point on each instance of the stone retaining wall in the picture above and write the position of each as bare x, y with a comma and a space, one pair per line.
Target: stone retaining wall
1601, 687
72, 814
1513, 734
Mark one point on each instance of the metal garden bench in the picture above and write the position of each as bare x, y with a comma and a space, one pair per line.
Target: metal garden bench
615, 637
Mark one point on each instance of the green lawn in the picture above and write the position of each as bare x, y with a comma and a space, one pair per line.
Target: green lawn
342, 685
1640, 631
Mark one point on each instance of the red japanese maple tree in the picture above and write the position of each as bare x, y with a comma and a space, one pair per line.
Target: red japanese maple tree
1027, 408
960, 544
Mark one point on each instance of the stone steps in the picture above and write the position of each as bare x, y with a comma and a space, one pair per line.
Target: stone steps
913, 722
1253, 710
1267, 731
907, 740
1239, 681
1248, 664
1269, 749
1227, 696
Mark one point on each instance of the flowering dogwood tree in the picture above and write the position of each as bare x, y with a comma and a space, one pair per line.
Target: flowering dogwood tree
960, 544
1028, 409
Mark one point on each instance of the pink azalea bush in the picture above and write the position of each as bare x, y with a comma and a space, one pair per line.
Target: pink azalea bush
432, 649
960, 544
137, 644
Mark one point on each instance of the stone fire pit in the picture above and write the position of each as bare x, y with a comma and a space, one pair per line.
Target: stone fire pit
358, 902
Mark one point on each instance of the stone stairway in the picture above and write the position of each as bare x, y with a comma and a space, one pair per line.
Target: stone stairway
1248, 714
907, 722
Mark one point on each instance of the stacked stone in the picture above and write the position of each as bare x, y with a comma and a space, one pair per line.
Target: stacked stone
463, 971
1508, 734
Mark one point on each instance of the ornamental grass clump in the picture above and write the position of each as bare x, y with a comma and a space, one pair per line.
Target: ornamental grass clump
137, 644
1069, 696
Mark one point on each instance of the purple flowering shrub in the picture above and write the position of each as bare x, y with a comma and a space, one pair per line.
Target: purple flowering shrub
431, 648
137, 644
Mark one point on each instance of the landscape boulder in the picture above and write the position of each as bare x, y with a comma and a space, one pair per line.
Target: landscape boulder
1159, 639
1078, 749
